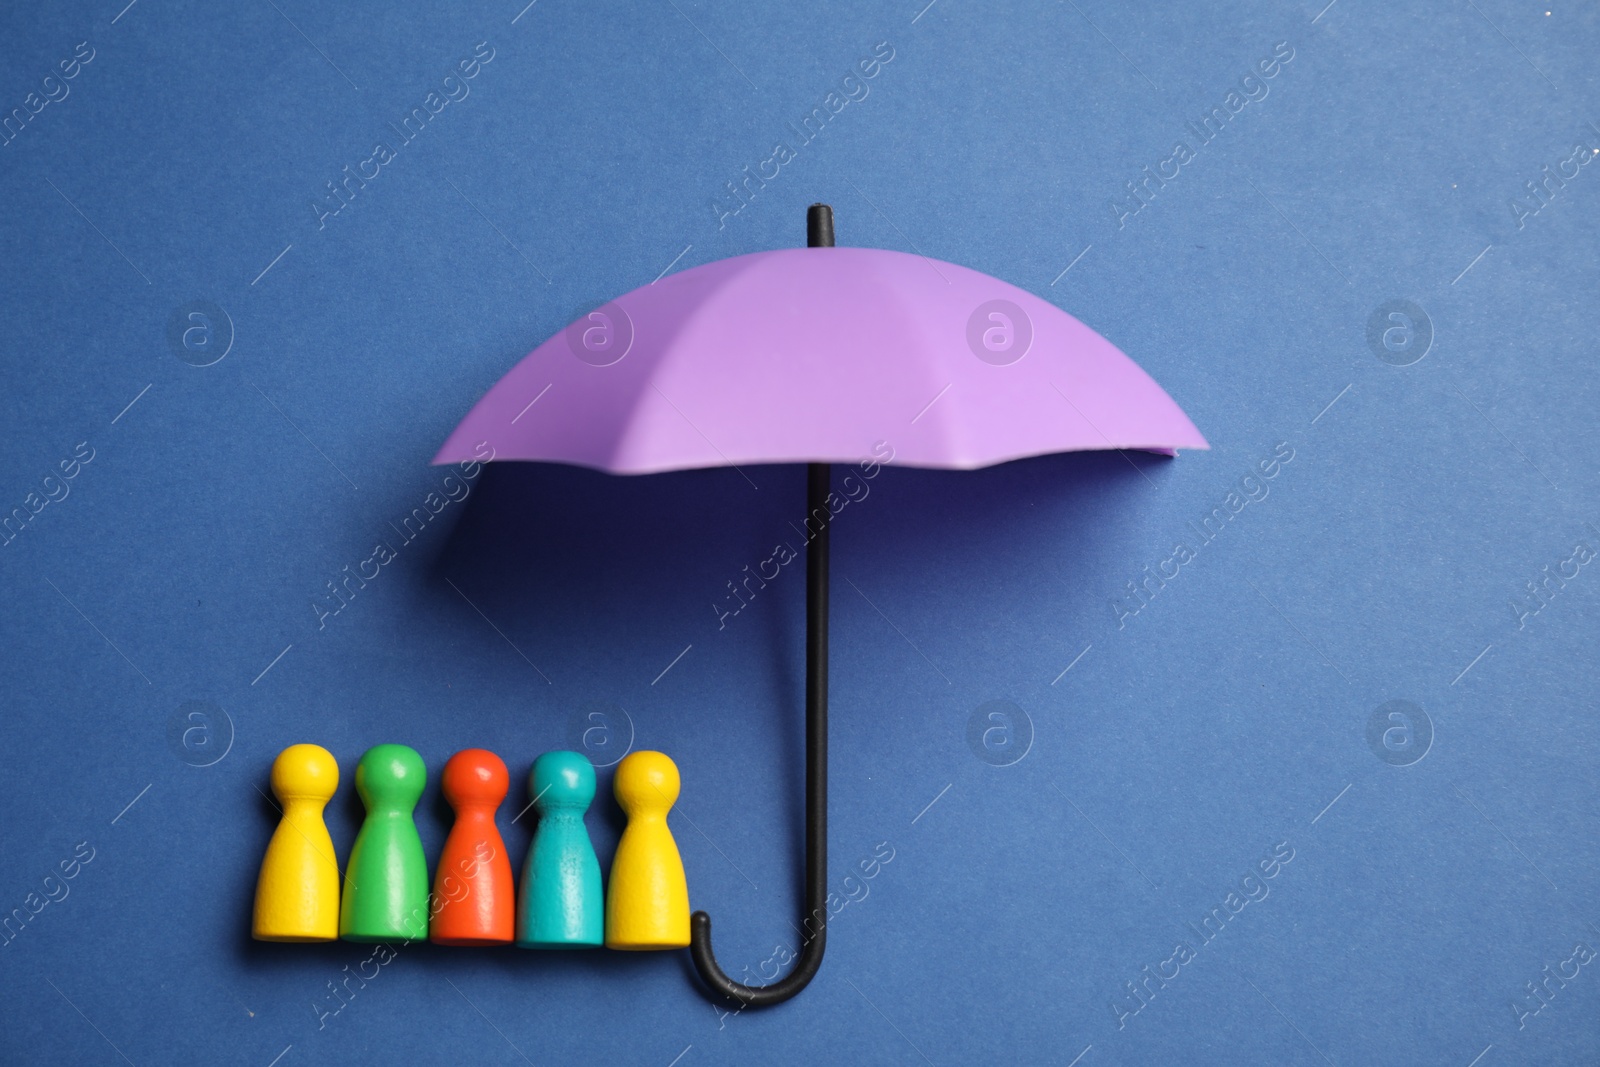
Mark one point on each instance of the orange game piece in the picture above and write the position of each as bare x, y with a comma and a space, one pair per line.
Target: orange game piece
472, 887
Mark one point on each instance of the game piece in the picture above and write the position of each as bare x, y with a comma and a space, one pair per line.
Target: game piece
472, 885
297, 893
386, 877
561, 903
648, 905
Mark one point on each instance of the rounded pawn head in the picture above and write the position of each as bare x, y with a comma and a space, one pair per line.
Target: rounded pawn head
305, 772
646, 781
475, 776
391, 776
562, 780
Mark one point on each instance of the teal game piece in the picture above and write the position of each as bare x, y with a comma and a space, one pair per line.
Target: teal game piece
386, 881
561, 904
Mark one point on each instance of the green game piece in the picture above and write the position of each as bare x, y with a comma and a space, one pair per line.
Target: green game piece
386, 881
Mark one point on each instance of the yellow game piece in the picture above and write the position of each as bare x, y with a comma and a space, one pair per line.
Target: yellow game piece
647, 902
297, 894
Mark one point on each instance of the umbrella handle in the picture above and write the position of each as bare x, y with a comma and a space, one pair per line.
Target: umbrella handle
814, 923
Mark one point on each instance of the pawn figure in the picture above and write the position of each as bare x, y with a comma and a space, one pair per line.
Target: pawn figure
648, 904
472, 887
386, 879
561, 904
297, 893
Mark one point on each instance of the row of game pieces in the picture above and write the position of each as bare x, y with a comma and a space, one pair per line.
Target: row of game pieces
386, 894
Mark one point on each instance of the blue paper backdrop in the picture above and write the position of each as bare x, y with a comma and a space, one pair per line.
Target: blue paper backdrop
1372, 274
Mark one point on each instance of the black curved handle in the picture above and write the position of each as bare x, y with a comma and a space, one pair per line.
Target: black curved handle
814, 924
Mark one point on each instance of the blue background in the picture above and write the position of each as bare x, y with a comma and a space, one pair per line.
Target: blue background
1229, 715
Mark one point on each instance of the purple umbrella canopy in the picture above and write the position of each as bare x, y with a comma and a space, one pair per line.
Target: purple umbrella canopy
817, 355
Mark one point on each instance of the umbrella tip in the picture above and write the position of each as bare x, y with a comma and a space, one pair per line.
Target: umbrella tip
819, 226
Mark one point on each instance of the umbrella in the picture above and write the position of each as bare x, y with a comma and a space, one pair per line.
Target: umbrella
817, 355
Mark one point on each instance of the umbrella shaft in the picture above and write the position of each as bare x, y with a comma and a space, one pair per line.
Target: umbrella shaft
819, 234
817, 489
